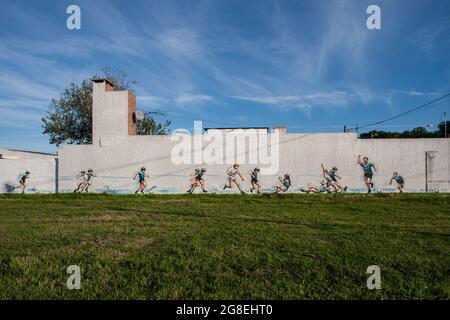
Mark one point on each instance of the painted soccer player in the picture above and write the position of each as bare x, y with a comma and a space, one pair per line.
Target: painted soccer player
88, 180
400, 181
22, 181
368, 172
232, 174
142, 184
324, 187
332, 178
285, 183
192, 180
255, 185
198, 180
81, 177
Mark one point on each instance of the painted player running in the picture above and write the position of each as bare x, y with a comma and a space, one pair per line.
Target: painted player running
255, 185
368, 173
232, 179
142, 184
88, 180
332, 178
198, 180
22, 181
400, 181
81, 177
285, 183
192, 180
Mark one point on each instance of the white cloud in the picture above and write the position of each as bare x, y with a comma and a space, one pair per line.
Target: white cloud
182, 41
416, 93
20, 118
303, 102
24, 103
150, 101
188, 99
427, 37
19, 86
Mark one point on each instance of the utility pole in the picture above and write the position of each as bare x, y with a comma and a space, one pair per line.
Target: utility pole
445, 125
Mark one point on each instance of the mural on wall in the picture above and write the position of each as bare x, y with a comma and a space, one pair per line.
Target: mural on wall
111, 163
125, 185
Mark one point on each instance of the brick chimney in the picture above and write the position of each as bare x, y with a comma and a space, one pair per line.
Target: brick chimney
131, 114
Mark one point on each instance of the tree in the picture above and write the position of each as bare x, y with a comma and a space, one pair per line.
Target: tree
148, 125
441, 129
69, 119
419, 132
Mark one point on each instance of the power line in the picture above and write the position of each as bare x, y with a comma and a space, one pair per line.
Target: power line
419, 108
425, 106
203, 120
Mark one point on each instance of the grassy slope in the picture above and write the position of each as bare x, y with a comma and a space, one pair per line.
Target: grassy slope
225, 247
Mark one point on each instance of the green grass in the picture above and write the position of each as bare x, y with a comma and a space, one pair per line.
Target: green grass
225, 247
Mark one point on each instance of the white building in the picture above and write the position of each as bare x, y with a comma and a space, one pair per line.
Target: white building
117, 153
43, 168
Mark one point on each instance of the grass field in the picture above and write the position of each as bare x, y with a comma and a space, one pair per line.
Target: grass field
225, 247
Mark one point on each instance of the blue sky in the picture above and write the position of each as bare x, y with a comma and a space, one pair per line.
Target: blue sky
311, 65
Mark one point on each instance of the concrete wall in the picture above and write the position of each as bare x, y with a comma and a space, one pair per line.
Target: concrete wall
300, 156
116, 155
19, 154
41, 166
303, 154
110, 115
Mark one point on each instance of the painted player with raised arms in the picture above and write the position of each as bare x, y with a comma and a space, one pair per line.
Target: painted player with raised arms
332, 178
368, 172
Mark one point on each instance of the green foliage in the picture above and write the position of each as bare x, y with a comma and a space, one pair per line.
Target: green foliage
69, 119
419, 132
148, 125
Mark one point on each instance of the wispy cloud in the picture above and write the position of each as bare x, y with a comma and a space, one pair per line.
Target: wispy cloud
15, 85
304, 102
188, 99
24, 103
288, 55
150, 101
431, 36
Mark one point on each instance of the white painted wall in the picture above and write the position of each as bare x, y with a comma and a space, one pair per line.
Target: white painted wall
300, 156
42, 177
116, 157
110, 115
